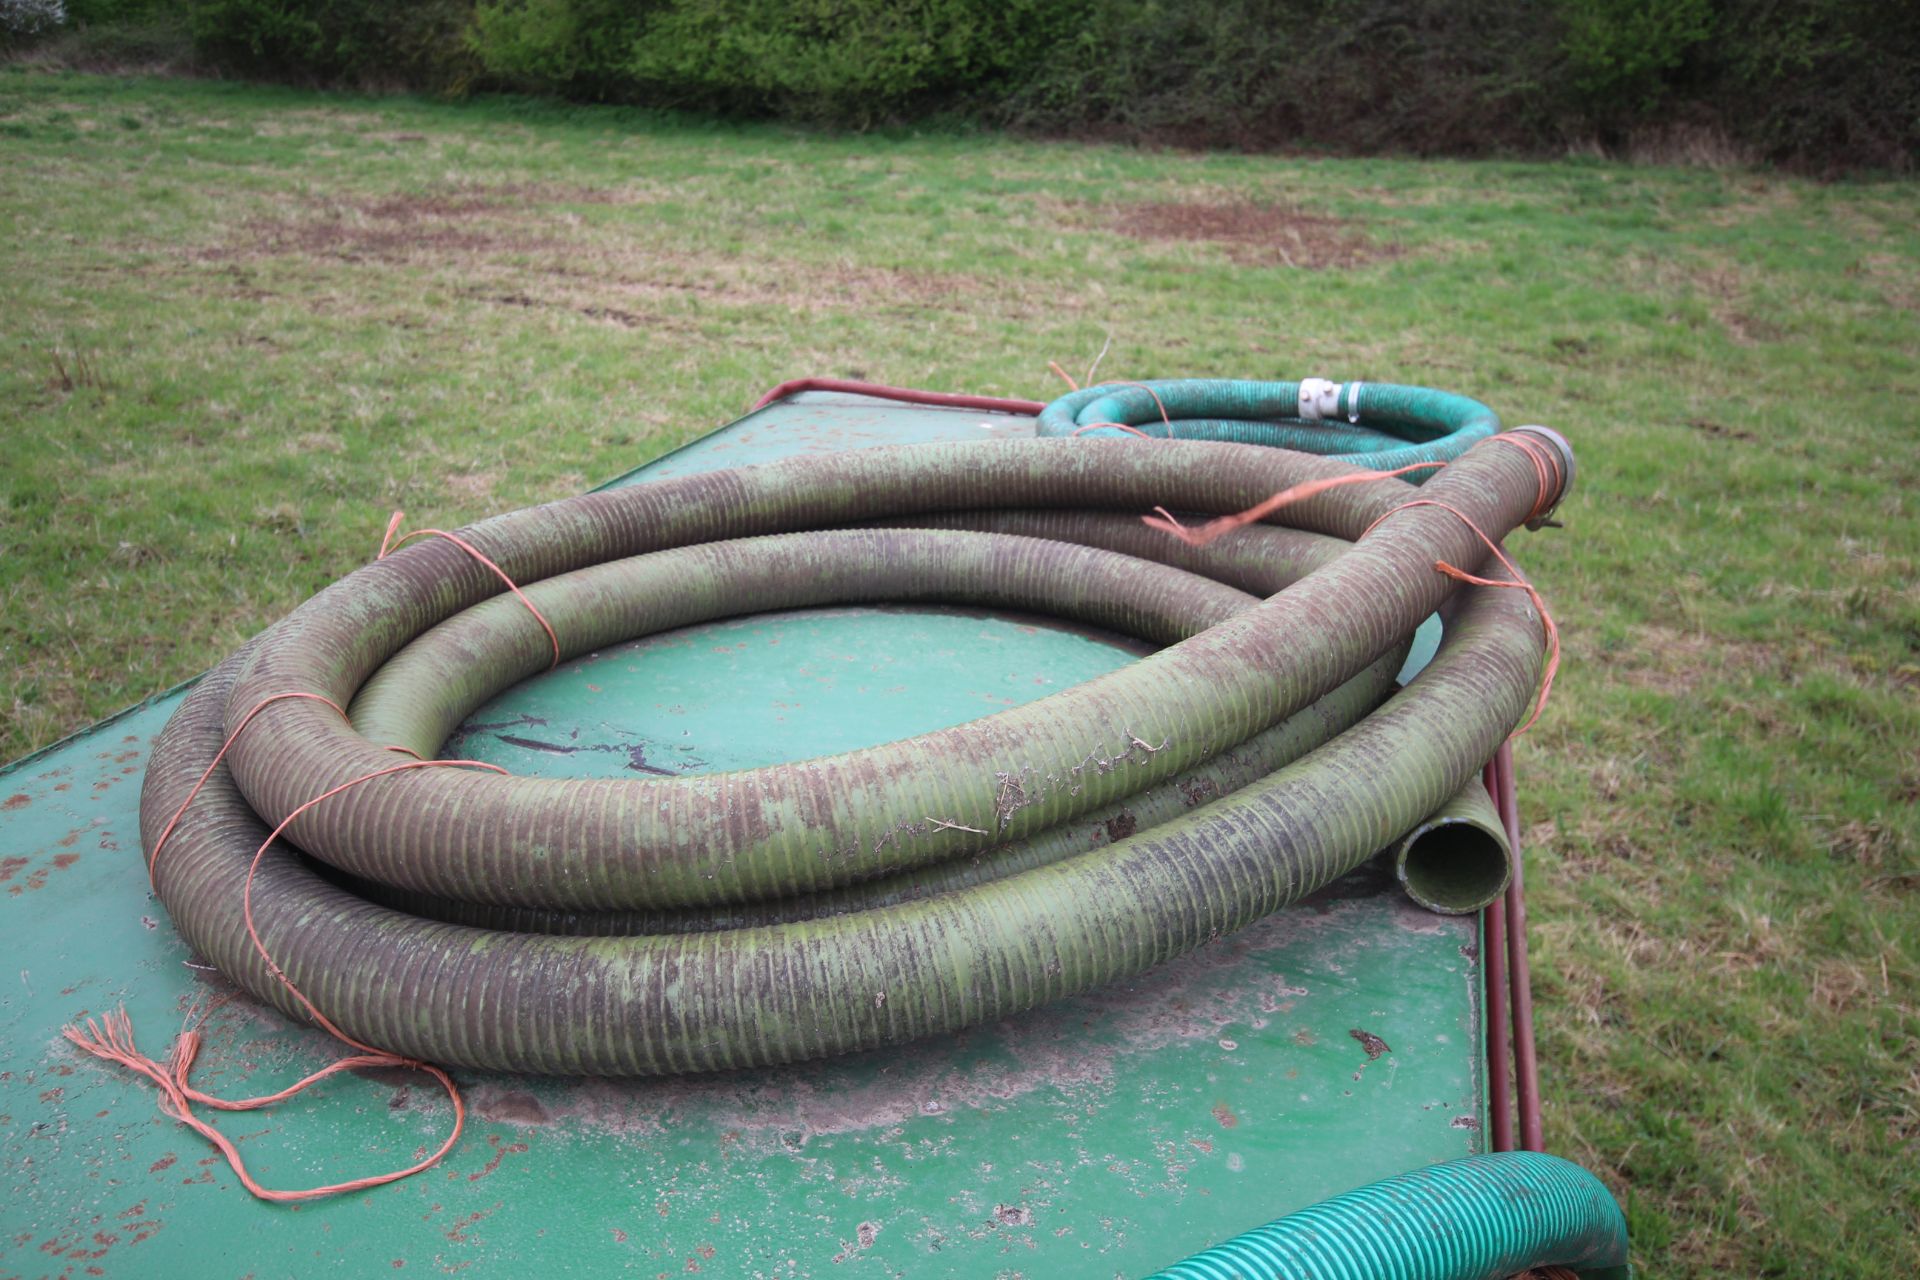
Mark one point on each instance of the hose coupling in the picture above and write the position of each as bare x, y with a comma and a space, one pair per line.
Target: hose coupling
1319, 399
1567, 469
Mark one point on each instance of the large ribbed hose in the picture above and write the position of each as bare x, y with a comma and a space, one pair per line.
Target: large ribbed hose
1482, 1218
1377, 425
716, 921
1459, 859
427, 689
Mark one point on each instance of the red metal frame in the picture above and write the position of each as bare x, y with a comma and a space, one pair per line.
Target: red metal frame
1510, 986
1499, 1033
906, 395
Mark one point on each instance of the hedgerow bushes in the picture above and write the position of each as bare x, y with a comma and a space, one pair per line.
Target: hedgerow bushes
1822, 84
852, 60
1826, 85
368, 43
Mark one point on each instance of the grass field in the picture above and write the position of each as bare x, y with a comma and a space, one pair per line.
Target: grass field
241, 325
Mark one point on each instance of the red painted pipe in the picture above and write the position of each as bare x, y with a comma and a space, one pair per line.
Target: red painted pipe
1526, 1067
1499, 1041
906, 395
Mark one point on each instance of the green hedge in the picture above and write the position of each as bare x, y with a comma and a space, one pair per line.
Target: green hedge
574, 48
1427, 76
364, 43
1822, 84
850, 60
1826, 85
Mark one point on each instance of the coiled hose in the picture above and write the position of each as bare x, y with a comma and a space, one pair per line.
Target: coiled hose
1482, 1218
1378, 425
619, 927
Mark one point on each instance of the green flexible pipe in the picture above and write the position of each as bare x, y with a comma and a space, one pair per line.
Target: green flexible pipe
1459, 858
800, 828
728, 997
1226, 773
426, 689
1377, 425
1482, 1218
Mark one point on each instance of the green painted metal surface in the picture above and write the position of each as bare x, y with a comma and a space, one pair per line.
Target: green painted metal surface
1328, 1046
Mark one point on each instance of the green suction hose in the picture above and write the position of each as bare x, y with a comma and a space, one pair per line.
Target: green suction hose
798, 928
1482, 1218
1377, 425
1458, 860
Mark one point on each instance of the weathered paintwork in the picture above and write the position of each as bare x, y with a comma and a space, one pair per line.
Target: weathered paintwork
1326, 1047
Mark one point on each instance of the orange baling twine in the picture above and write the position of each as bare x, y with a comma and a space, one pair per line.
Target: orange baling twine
1547, 470
1518, 582
1221, 525
112, 1036
1116, 426
389, 544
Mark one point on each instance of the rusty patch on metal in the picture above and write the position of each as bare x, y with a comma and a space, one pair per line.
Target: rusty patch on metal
500, 1152
1372, 1043
461, 1231
18, 800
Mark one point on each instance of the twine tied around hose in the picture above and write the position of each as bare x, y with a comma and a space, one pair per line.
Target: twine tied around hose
1548, 468
389, 544
1214, 529
112, 1038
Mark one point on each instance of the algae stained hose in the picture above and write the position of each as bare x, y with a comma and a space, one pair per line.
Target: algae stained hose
710, 964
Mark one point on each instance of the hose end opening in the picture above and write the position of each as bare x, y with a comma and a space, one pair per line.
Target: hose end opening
1453, 865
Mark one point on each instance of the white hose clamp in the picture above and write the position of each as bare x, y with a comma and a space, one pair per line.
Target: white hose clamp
1353, 402
1319, 399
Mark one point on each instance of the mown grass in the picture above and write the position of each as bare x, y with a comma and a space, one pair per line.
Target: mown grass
241, 325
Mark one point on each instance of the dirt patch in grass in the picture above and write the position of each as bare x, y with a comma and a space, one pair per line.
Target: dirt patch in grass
393, 232
452, 218
460, 199
473, 486
1254, 233
1726, 296
1671, 661
626, 284
1720, 430
511, 251
1754, 198
1895, 279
